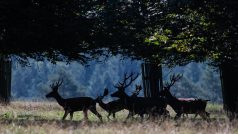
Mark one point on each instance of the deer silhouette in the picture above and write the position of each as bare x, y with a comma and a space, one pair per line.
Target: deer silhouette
182, 105
115, 106
157, 110
111, 107
137, 105
71, 105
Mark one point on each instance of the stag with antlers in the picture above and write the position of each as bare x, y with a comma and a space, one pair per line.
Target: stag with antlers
71, 105
183, 106
137, 105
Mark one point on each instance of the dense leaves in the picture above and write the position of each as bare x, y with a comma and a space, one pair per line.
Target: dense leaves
40, 29
199, 30
172, 32
76, 29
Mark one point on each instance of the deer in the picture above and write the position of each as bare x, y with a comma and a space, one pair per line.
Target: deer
187, 99
114, 106
111, 107
71, 105
136, 105
156, 110
184, 106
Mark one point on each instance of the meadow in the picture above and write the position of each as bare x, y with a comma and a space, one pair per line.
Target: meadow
23, 117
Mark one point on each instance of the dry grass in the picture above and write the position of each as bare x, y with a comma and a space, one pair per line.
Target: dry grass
45, 117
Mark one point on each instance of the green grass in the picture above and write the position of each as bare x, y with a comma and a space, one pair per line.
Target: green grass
45, 117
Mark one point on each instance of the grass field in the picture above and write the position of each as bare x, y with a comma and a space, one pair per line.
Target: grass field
45, 117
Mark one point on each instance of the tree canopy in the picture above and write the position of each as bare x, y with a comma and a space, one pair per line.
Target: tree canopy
74, 30
167, 31
201, 30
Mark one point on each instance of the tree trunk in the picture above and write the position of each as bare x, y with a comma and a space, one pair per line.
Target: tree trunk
5, 79
152, 79
229, 82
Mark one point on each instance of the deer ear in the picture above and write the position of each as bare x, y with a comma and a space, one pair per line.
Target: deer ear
105, 92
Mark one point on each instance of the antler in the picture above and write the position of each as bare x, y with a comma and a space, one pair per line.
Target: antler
123, 84
133, 78
173, 79
57, 83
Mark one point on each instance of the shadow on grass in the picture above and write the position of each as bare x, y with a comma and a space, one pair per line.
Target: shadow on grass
44, 122
25, 120
35, 120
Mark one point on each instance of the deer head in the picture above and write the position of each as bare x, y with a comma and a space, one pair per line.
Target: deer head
54, 86
137, 91
99, 98
121, 86
166, 90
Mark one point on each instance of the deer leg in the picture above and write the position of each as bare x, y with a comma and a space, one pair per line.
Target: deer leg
185, 115
195, 115
207, 114
85, 112
203, 115
94, 111
65, 114
129, 115
108, 116
141, 117
114, 115
71, 115
178, 115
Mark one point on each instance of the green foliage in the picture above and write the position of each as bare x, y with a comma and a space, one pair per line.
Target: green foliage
181, 31
203, 29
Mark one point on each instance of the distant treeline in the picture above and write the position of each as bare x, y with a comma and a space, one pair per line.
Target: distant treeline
32, 82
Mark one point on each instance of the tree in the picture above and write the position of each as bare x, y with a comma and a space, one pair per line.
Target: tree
5, 79
204, 30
